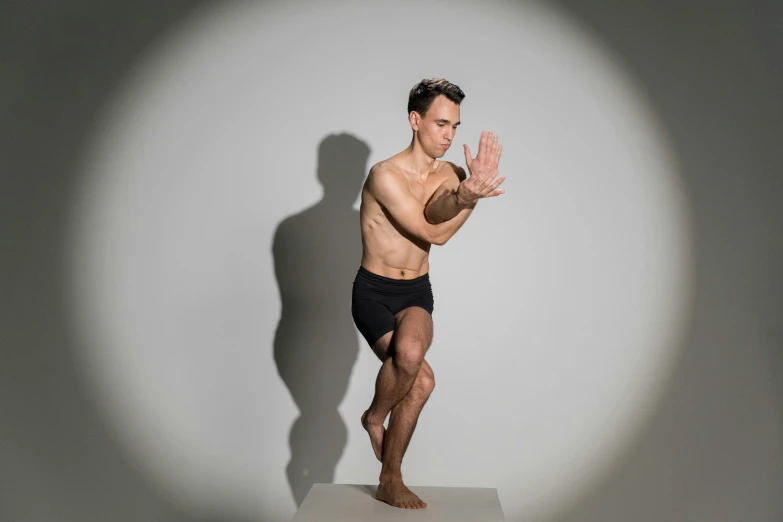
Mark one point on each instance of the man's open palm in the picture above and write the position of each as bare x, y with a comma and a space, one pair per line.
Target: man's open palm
483, 170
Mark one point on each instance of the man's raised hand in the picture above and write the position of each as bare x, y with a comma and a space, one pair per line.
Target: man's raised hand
483, 171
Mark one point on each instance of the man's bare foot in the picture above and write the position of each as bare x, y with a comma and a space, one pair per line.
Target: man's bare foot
376, 436
396, 494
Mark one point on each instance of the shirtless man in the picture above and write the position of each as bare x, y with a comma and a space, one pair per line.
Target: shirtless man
409, 202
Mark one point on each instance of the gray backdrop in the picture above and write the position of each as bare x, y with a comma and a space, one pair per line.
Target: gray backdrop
180, 235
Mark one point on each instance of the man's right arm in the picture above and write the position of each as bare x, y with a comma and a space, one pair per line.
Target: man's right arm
390, 189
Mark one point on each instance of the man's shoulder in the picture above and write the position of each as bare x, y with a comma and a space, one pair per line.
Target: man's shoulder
384, 172
385, 166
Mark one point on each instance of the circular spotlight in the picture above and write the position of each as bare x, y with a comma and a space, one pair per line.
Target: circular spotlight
559, 306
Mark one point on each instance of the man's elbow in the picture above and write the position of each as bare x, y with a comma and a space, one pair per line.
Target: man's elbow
439, 240
433, 237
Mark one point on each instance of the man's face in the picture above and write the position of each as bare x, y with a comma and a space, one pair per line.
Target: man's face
437, 128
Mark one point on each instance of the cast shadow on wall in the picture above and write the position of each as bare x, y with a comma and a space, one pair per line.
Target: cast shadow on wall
316, 255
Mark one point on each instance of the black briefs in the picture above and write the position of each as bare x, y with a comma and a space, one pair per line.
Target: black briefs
376, 299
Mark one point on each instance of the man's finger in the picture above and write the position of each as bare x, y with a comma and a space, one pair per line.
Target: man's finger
494, 186
490, 141
499, 150
491, 184
482, 152
468, 159
495, 193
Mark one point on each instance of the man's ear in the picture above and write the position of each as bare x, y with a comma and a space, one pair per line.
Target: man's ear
415, 120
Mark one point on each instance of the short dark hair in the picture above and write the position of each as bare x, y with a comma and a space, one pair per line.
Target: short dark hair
424, 92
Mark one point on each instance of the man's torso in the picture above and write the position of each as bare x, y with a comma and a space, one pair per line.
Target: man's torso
387, 251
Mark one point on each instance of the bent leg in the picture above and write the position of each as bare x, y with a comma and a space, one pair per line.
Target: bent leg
411, 340
375, 428
405, 355
408, 408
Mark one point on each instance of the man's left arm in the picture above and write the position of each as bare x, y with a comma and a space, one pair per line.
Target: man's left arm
445, 203
459, 194
451, 226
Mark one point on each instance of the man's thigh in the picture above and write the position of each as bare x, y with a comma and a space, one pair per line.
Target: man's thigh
413, 323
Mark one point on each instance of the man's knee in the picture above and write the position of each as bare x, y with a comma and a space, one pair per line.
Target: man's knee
409, 354
422, 388
427, 377
427, 383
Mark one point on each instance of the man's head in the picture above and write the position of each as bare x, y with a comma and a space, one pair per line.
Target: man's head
433, 112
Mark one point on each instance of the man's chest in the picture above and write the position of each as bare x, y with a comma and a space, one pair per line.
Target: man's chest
423, 190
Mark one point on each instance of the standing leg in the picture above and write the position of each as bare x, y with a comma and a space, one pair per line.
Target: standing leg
405, 415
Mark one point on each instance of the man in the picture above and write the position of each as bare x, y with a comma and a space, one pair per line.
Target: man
409, 202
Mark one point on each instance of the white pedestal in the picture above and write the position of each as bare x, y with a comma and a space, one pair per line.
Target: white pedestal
354, 503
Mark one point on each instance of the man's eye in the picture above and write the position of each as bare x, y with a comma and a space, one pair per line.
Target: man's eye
440, 124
